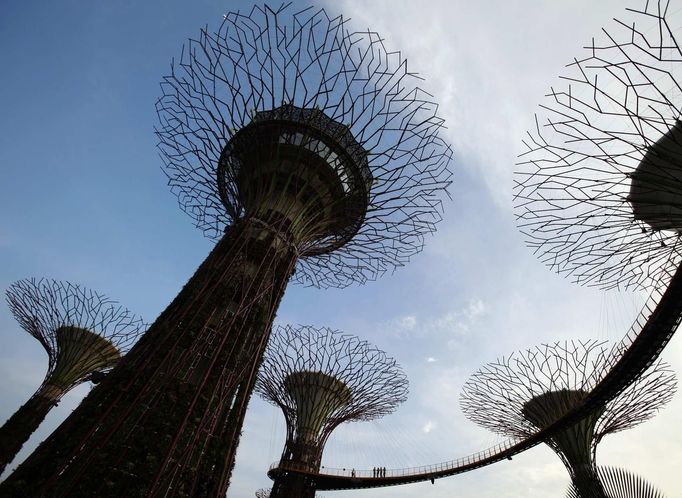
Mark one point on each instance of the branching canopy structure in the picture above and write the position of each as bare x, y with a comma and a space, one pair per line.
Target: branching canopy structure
599, 189
84, 334
322, 378
521, 394
618, 483
306, 149
308, 84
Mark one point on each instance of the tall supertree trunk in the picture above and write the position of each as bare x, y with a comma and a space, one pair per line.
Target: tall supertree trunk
19, 427
587, 483
292, 486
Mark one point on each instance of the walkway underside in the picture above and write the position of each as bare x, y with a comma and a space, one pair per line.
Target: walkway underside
650, 333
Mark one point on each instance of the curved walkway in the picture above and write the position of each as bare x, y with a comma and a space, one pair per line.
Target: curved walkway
652, 330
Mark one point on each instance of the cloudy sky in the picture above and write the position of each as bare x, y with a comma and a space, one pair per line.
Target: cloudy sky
83, 198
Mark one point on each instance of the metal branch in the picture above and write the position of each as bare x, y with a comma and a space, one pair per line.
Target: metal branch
44, 307
598, 188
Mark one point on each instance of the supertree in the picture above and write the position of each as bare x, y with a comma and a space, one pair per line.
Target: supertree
305, 150
599, 188
84, 334
618, 483
521, 394
322, 378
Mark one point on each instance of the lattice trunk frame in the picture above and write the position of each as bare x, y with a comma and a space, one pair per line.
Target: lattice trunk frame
197, 362
317, 396
289, 485
24, 422
573, 444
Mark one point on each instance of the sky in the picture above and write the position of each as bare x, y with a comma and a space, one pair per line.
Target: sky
83, 198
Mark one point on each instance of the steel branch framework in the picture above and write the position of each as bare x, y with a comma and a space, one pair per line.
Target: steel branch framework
518, 395
84, 334
321, 378
598, 190
354, 90
307, 150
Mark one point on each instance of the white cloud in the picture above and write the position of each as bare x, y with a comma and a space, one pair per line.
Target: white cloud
476, 308
459, 322
408, 322
428, 426
431, 359
449, 326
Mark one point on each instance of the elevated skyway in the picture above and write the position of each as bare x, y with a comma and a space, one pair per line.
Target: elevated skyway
646, 338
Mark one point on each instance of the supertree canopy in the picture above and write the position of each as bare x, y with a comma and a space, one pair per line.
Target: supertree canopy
308, 151
618, 483
599, 188
310, 128
321, 378
521, 394
84, 334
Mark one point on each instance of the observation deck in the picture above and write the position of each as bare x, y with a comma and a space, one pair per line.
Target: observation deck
298, 167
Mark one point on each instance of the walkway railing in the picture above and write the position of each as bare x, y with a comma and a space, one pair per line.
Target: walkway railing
472, 459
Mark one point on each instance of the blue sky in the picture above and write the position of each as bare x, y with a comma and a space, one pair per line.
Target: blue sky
83, 198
